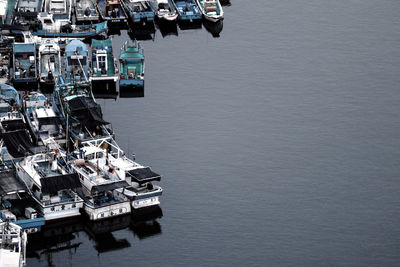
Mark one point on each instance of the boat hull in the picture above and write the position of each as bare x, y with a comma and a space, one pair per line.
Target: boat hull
115, 209
142, 200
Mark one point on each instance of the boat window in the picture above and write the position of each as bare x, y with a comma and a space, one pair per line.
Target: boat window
99, 155
47, 21
101, 61
74, 61
90, 156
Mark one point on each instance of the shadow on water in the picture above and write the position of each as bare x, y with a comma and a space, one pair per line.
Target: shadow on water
185, 25
142, 33
65, 235
214, 28
145, 224
54, 238
225, 2
167, 29
101, 233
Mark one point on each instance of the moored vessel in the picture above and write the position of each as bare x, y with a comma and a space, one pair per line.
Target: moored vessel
132, 67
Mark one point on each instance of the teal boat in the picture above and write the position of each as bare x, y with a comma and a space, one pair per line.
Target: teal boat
132, 66
104, 70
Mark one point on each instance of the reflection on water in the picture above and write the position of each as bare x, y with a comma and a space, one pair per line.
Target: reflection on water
66, 235
213, 28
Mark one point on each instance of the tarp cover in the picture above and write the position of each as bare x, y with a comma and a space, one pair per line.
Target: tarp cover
18, 143
57, 183
9, 183
87, 112
109, 187
11, 125
143, 175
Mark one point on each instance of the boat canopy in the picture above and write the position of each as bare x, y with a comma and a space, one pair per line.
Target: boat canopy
54, 184
143, 175
18, 143
21, 48
86, 111
9, 184
109, 186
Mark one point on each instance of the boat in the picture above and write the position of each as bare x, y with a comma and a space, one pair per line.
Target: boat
25, 13
24, 68
165, 11
113, 12
188, 10
141, 191
141, 12
104, 66
132, 66
76, 63
211, 9
101, 202
52, 184
52, 28
13, 128
16, 204
12, 245
42, 119
49, 63
60, 11
86, 11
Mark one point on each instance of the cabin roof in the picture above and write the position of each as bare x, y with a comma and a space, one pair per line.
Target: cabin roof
24, 48
143, 175
56, 183
9, 184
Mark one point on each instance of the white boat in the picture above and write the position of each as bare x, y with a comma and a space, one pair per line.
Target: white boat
51, 184
49, 63
101, 202
42, 118
86, 11
3, 11
165, 11
59, 9
211, 10
141, 191
12, 245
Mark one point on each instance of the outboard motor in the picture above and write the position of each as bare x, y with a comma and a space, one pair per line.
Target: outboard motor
67, 28
87, 11
50, 76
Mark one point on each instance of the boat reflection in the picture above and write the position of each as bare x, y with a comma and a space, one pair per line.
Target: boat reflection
183, 25
144, 223
213, 28
101, 233
168, 29
225, 2
55, 237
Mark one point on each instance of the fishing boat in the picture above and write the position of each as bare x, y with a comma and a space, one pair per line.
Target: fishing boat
14, 130
165, 11
98, 191
16, 204
25, 13
132, 66
80, 114
13, 241
86, 11
60, 11
211, 9
188, 10
49, 63
141, 191
104, 66
76, 62
52, 184
51, 28
24, 68
141, 12
42, 119
113, 12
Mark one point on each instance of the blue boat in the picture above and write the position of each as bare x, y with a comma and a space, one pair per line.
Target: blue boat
24, 69
188, 10
76, 62
16, 205
141, 12
132, 66
113, 12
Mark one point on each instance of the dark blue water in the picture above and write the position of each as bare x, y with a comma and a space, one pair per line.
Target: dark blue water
278, 142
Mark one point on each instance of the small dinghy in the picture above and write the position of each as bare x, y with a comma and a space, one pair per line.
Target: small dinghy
211, 9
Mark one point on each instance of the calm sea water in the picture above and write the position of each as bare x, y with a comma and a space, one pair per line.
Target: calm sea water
278, 142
